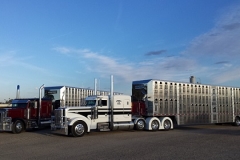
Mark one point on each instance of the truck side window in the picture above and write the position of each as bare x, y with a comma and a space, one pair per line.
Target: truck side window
32, 104
19, 105
104, 103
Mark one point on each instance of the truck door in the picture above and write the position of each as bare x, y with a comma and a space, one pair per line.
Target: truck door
32, 109
103, 111
46, 109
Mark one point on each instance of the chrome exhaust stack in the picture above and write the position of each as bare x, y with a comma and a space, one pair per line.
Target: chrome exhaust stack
40, 102
111, 103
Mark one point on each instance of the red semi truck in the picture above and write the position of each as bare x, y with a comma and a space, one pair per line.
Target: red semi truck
26, 114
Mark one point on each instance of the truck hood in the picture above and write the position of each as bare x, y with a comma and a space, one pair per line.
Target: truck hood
80, 107
3, 109
15, 112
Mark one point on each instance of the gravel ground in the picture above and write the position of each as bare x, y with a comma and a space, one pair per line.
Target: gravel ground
184, 142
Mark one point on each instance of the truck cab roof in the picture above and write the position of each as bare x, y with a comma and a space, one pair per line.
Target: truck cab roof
26, 100
95, 97
20, 101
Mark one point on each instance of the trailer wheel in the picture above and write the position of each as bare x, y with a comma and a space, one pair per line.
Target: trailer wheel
79, 129
140, 125
237, 121
167, 124
155, 125
17, 127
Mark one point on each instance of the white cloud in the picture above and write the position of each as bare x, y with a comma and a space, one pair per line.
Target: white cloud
222, 41
220, 44
11, 59
229, 76
159, 68
211, 56
63, 50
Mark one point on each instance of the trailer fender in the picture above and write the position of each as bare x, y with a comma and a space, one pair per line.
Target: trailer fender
80, 118
166, 123
150, 121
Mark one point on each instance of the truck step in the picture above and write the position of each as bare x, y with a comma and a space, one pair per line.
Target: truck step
103, 127
46, 122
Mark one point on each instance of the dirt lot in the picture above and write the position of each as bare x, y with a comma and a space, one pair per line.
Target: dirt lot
185, 142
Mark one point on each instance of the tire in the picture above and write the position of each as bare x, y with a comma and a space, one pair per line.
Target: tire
69, 130
167, 124
155, 125
140, 125
17, 127
79, 129
237, 121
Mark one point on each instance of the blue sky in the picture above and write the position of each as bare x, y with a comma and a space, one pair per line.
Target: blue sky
72, 42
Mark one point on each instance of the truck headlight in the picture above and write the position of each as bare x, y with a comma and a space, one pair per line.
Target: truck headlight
7, 120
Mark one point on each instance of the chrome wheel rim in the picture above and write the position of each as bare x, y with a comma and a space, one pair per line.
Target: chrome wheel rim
19, 126
79, 129
167, 124
237, 122
140, 124
155, 125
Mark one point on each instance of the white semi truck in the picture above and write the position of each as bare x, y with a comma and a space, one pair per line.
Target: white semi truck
154, 105
97, 114
104, 113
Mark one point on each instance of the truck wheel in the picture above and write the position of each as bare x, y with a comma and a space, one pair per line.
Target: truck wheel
237, 122
140, 125
167, 124
18, 127
78, 129
69, 130
155, 125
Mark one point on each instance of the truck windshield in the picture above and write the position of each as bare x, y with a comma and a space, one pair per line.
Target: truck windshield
19, 105
90, 102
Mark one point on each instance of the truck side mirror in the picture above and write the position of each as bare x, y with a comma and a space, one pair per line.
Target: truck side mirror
100, 102
33, 104
95, 112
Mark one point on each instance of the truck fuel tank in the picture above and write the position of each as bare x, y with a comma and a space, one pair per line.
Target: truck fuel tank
123, 126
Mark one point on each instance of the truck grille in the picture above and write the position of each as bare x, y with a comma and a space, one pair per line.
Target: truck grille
2, 115
5, 122
59, 117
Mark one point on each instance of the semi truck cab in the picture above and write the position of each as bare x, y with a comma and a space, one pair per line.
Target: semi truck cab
24, 108
25, 114
99, 113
